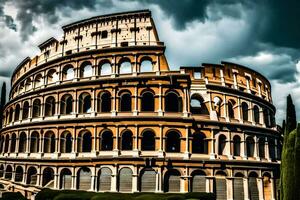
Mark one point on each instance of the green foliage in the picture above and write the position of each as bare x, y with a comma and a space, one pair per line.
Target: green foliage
12, 196
48, 194
291, 121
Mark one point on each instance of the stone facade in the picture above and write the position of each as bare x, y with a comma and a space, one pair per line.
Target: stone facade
100, 110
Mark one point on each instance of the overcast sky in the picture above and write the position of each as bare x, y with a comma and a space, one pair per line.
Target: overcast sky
261, 34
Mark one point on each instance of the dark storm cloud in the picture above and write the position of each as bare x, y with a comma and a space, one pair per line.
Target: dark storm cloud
6, 19
30, 9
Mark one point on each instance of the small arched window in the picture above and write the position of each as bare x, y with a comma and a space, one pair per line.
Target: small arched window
146, 66
11, 112
250, 147
25, 110
49, 142
17, 112
68, 72
199, 143
245, 111
105, 68
50, 106
261, 147
173, 142
126, 141
84, 141
66, 142
36, 108
106, 141
217, 105
148, 141
22, 142
173, 102
86, 70
66, 104
34, 142
85, 103
38, 82
104, 102
230, 108
222, 144
28, 85
197, 105
147, 103
52, 76
236, 145
256, 114
125, 67
125, 102
266, 113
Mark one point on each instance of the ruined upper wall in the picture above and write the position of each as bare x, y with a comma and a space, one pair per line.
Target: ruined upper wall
107, 31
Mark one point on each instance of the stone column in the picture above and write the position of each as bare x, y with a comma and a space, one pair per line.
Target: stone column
135, 111
158, 64
116, 149
222, 77
187, 149
186, 103
229, 183
136, 142
135, 180
160, 103
114, 179
161, 142
212, 145
260, 185
114, 101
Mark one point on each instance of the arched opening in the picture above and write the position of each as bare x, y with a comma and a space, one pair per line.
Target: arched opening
86, 70
104, 102
199, 143
84, 142
266, 117
271, 144
148, 141
238, 186
21, 88
173, 102
104, 179
25, 110
11, 112
13, 143
8, 172
1, 170
66, 142
198, 181
245, 111
267, 186
126, 140
250, 146
52, 76
6, 147
222, 145
125, 180
252, 186
68, 72
221, 185
217, 105
22, 142
50, 106
106, 141
31, 176
85, 103
256, 114
230, 108
198, 105
125, 102
146, 66
38, 82
17, 112
36, 108
148, 180
49, 142
105, 68
84, 178
172, 142
65, 179
19, 174
48, 178
28, 84
236, 145
172, 181
261, 147
147, 102
34, 142
66, 104
125, 67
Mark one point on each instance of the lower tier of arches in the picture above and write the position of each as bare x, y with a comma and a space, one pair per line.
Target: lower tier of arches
238, 182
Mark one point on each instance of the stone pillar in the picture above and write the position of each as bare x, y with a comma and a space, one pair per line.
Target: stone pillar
239, 110
114, 179
235, 84
267, 154
161, 142
260, 185
187, 149
94, 144
222, 77
93, 180
160, 103
212, 145
136, 142
135, 180
159, 180
114, 102
246, 188
135, 111
210, 184
74, 179
93, 103
135, 68
114, 66
56, 179
186, 103
116, 149
229, 183
157, 64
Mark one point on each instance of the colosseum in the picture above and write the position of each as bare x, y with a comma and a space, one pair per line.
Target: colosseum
100, 110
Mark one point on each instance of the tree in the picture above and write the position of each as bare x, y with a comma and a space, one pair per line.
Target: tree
2, 102
291, 121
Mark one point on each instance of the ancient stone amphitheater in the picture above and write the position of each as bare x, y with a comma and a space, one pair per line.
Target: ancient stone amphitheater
100, 110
